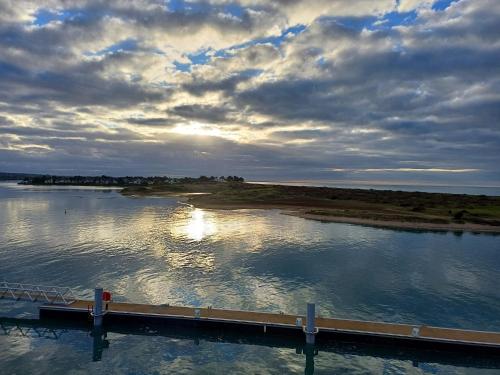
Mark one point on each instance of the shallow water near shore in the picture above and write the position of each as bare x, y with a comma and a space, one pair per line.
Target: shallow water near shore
160, 251
448, 189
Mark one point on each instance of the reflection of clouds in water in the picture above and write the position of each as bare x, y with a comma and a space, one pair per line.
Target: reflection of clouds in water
153, 250
267, 292
13, 346
16, 219
417, 280
458, 276
152, 288
146, 286
15, 209
190, 259
251, 229
34, 355
187, 353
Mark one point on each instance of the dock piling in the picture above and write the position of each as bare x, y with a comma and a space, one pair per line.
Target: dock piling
310, 323
310, 351
98, 307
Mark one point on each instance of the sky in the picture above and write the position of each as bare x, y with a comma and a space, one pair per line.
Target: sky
385, 91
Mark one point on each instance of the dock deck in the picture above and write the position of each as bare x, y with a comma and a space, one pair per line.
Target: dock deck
284, 323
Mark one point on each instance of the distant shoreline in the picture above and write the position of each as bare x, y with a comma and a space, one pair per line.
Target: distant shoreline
387, 209
125, 182
311, 203
302, 213
475, 228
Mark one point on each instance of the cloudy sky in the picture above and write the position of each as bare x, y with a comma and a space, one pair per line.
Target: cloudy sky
365, 90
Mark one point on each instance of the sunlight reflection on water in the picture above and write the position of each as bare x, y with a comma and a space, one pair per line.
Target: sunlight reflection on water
159, 251
199, 225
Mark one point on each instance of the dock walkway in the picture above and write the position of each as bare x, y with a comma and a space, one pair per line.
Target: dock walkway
282, 323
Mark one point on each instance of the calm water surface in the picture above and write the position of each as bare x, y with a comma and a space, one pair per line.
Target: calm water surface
451, 189
161, 251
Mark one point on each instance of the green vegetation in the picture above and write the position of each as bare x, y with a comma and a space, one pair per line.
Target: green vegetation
375, 205
120, 181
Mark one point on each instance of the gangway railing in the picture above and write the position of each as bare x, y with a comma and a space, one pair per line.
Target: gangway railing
36, 293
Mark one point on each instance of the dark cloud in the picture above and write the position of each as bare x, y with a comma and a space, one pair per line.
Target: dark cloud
59, 135
201, 112
295, 100
5, 121
152, 121
342, 98
200, 86
71, 88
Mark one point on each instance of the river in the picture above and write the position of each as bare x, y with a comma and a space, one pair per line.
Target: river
158, 250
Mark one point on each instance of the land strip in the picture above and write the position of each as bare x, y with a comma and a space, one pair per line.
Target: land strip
381, 208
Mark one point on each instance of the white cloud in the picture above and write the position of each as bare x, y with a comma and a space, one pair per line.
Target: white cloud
363, 100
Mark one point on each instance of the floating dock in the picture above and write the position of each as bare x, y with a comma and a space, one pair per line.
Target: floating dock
325, 329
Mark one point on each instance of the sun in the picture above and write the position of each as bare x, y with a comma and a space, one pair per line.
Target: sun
197, 128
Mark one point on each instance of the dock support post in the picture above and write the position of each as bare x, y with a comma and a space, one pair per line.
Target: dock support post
310, 352
310, 323
99, 343
98, 307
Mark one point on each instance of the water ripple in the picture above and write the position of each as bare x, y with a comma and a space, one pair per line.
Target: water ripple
157, 251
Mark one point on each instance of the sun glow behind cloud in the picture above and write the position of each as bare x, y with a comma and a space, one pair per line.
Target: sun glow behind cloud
266, 89
199, 129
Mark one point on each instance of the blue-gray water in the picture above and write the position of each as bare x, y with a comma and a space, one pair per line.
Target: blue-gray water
450, 189
160, 251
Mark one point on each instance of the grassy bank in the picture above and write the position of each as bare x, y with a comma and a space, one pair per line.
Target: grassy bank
443, 211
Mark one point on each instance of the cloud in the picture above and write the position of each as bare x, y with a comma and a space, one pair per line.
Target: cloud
151, 121
199, 86
76, 86
287, 88
409, 5
201, 112
424, 170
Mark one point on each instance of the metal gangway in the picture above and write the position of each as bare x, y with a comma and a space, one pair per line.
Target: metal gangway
36, 293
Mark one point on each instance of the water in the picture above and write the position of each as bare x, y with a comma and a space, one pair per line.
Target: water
161, 251
451, 189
